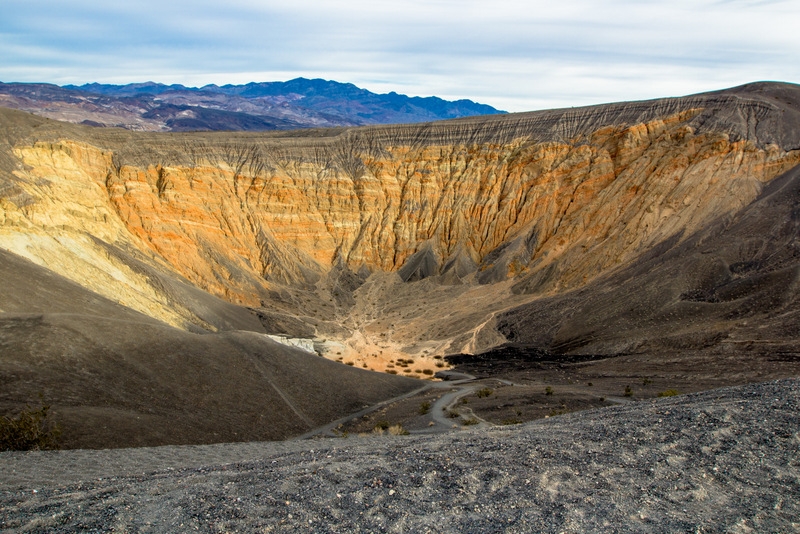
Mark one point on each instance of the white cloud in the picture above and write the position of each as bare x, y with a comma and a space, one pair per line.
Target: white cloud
513, 54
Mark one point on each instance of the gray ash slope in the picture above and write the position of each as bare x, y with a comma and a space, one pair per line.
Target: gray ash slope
733, 283
719, 461
123, 379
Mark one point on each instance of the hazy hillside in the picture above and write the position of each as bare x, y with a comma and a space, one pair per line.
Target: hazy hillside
299, 103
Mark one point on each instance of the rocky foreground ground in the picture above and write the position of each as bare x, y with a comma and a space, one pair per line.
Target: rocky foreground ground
719, 461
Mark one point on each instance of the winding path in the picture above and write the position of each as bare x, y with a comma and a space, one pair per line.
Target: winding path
441, 412
327, 430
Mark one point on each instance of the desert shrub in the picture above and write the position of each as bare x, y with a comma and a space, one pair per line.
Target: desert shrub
452, 414
383, 425
391, 371
512, 421
439, 365
30, 430
349, 363
628, 391
589, 384
469, 422
669, 393
548, 390
424, 408
427, 372
646, 381
484, 392
398, 430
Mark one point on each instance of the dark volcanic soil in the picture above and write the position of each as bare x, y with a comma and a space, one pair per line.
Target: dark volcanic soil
719, 461
117, 378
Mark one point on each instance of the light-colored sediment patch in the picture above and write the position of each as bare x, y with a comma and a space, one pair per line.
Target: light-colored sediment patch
382, 355
304, 344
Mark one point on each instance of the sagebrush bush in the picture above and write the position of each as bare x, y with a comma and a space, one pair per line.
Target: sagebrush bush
30, 430
398, 430
383, 425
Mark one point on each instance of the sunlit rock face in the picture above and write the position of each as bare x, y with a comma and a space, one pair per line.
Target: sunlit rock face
489, 211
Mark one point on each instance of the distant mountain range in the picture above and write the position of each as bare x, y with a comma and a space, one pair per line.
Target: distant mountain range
298, 103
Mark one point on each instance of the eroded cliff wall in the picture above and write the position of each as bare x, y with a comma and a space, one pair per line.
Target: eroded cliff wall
548, 200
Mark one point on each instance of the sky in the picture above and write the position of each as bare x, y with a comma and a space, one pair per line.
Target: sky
513, 55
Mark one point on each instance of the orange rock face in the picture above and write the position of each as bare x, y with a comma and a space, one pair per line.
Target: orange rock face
612, 193
556, 198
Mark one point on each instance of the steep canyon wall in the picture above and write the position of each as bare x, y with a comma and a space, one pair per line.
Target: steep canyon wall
551, 199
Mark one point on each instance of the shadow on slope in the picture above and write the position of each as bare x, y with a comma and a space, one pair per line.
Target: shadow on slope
116, 378
734, 285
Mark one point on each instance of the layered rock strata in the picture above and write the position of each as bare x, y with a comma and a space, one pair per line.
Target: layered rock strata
554, 199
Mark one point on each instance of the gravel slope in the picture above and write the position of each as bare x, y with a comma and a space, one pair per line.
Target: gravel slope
719, 461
